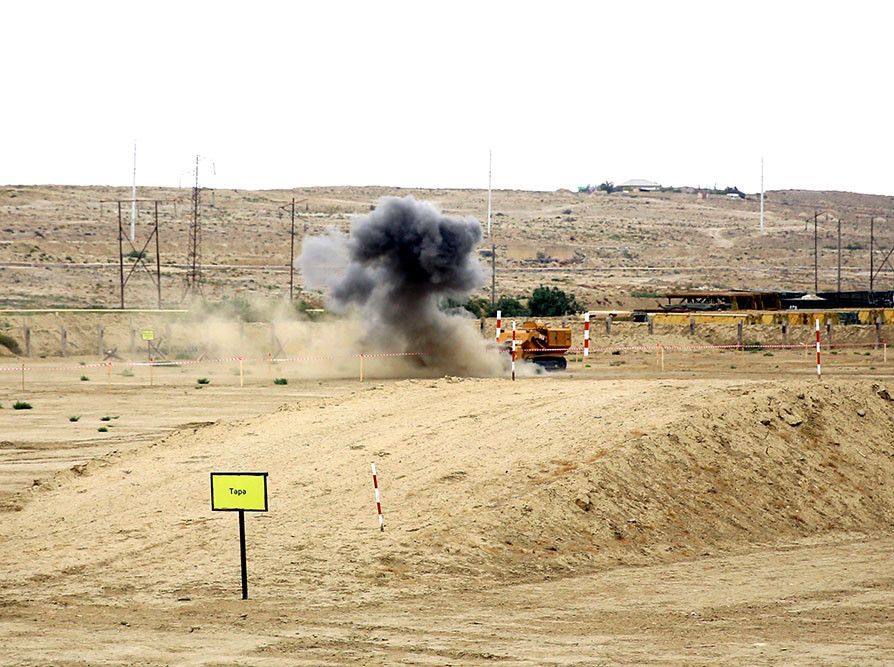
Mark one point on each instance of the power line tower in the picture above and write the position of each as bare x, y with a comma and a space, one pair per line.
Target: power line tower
194, 249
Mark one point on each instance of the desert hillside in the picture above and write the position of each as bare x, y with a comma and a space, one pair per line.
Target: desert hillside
59, 245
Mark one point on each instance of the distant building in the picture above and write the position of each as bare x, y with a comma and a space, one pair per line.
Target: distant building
638, 184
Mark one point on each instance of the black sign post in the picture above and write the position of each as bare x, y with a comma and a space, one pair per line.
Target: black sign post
242, 554
239, 492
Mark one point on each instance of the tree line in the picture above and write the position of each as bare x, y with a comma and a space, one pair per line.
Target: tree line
543, 302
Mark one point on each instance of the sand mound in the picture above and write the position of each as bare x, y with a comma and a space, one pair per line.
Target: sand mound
483, 481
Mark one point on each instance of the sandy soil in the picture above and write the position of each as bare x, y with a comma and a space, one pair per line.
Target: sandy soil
706, 519
726, 509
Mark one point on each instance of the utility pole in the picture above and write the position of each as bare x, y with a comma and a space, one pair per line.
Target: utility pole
139, 254
292, 255
815, 256
157, 259
871, 255
193, 259
839, 255
493, 245
121, 255
762, 195
133, 198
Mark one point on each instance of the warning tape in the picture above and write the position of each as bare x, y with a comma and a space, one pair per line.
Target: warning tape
692, 348
172, 363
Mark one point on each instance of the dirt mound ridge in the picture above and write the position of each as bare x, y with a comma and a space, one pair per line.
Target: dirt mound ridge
483, 481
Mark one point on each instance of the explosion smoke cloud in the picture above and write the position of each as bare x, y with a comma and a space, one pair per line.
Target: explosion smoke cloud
395, 265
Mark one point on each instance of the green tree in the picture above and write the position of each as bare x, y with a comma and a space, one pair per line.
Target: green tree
551, 302
508, 307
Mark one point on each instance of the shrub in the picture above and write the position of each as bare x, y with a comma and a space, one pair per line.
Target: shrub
280, 381
21, 405
551, 301
84, 378
203, 381
645, 294
103, 429
105, 419
74, 418
509, 307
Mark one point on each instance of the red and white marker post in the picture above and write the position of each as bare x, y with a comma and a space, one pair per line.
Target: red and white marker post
499, 322
819, 366
513, 350
378, 499
586, 336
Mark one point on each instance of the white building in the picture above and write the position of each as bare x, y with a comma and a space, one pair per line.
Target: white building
640, 184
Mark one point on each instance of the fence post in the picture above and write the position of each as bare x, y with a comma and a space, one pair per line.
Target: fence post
650, 324
27, 341
101, 343
740, 343
785, 334
608, 325
692, 325
878, 331
63, 341
829, 333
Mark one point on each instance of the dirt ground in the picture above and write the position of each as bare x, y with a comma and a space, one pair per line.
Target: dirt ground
696, 507
731, 510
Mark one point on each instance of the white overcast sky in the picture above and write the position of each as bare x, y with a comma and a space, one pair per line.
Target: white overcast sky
415, 93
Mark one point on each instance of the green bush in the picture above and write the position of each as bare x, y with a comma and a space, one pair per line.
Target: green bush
552, 302
105, 419
509, 307
280, 381
203, 381
645, 294
21, 405
103, 429
74, 418
84, 378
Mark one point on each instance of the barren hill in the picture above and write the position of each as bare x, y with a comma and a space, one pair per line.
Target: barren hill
59, 245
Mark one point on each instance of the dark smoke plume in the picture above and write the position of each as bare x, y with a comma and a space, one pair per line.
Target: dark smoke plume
395, 265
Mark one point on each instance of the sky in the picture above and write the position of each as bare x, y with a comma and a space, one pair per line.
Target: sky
415, 94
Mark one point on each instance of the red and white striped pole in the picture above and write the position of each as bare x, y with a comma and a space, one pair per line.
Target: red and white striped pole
586, 335
499, 322
513, 350
819, 366
378, 499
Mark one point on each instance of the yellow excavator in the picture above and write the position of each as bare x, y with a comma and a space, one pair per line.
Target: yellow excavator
541, 344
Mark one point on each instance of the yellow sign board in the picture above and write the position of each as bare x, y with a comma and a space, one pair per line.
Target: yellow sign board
148, 334
233, 491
